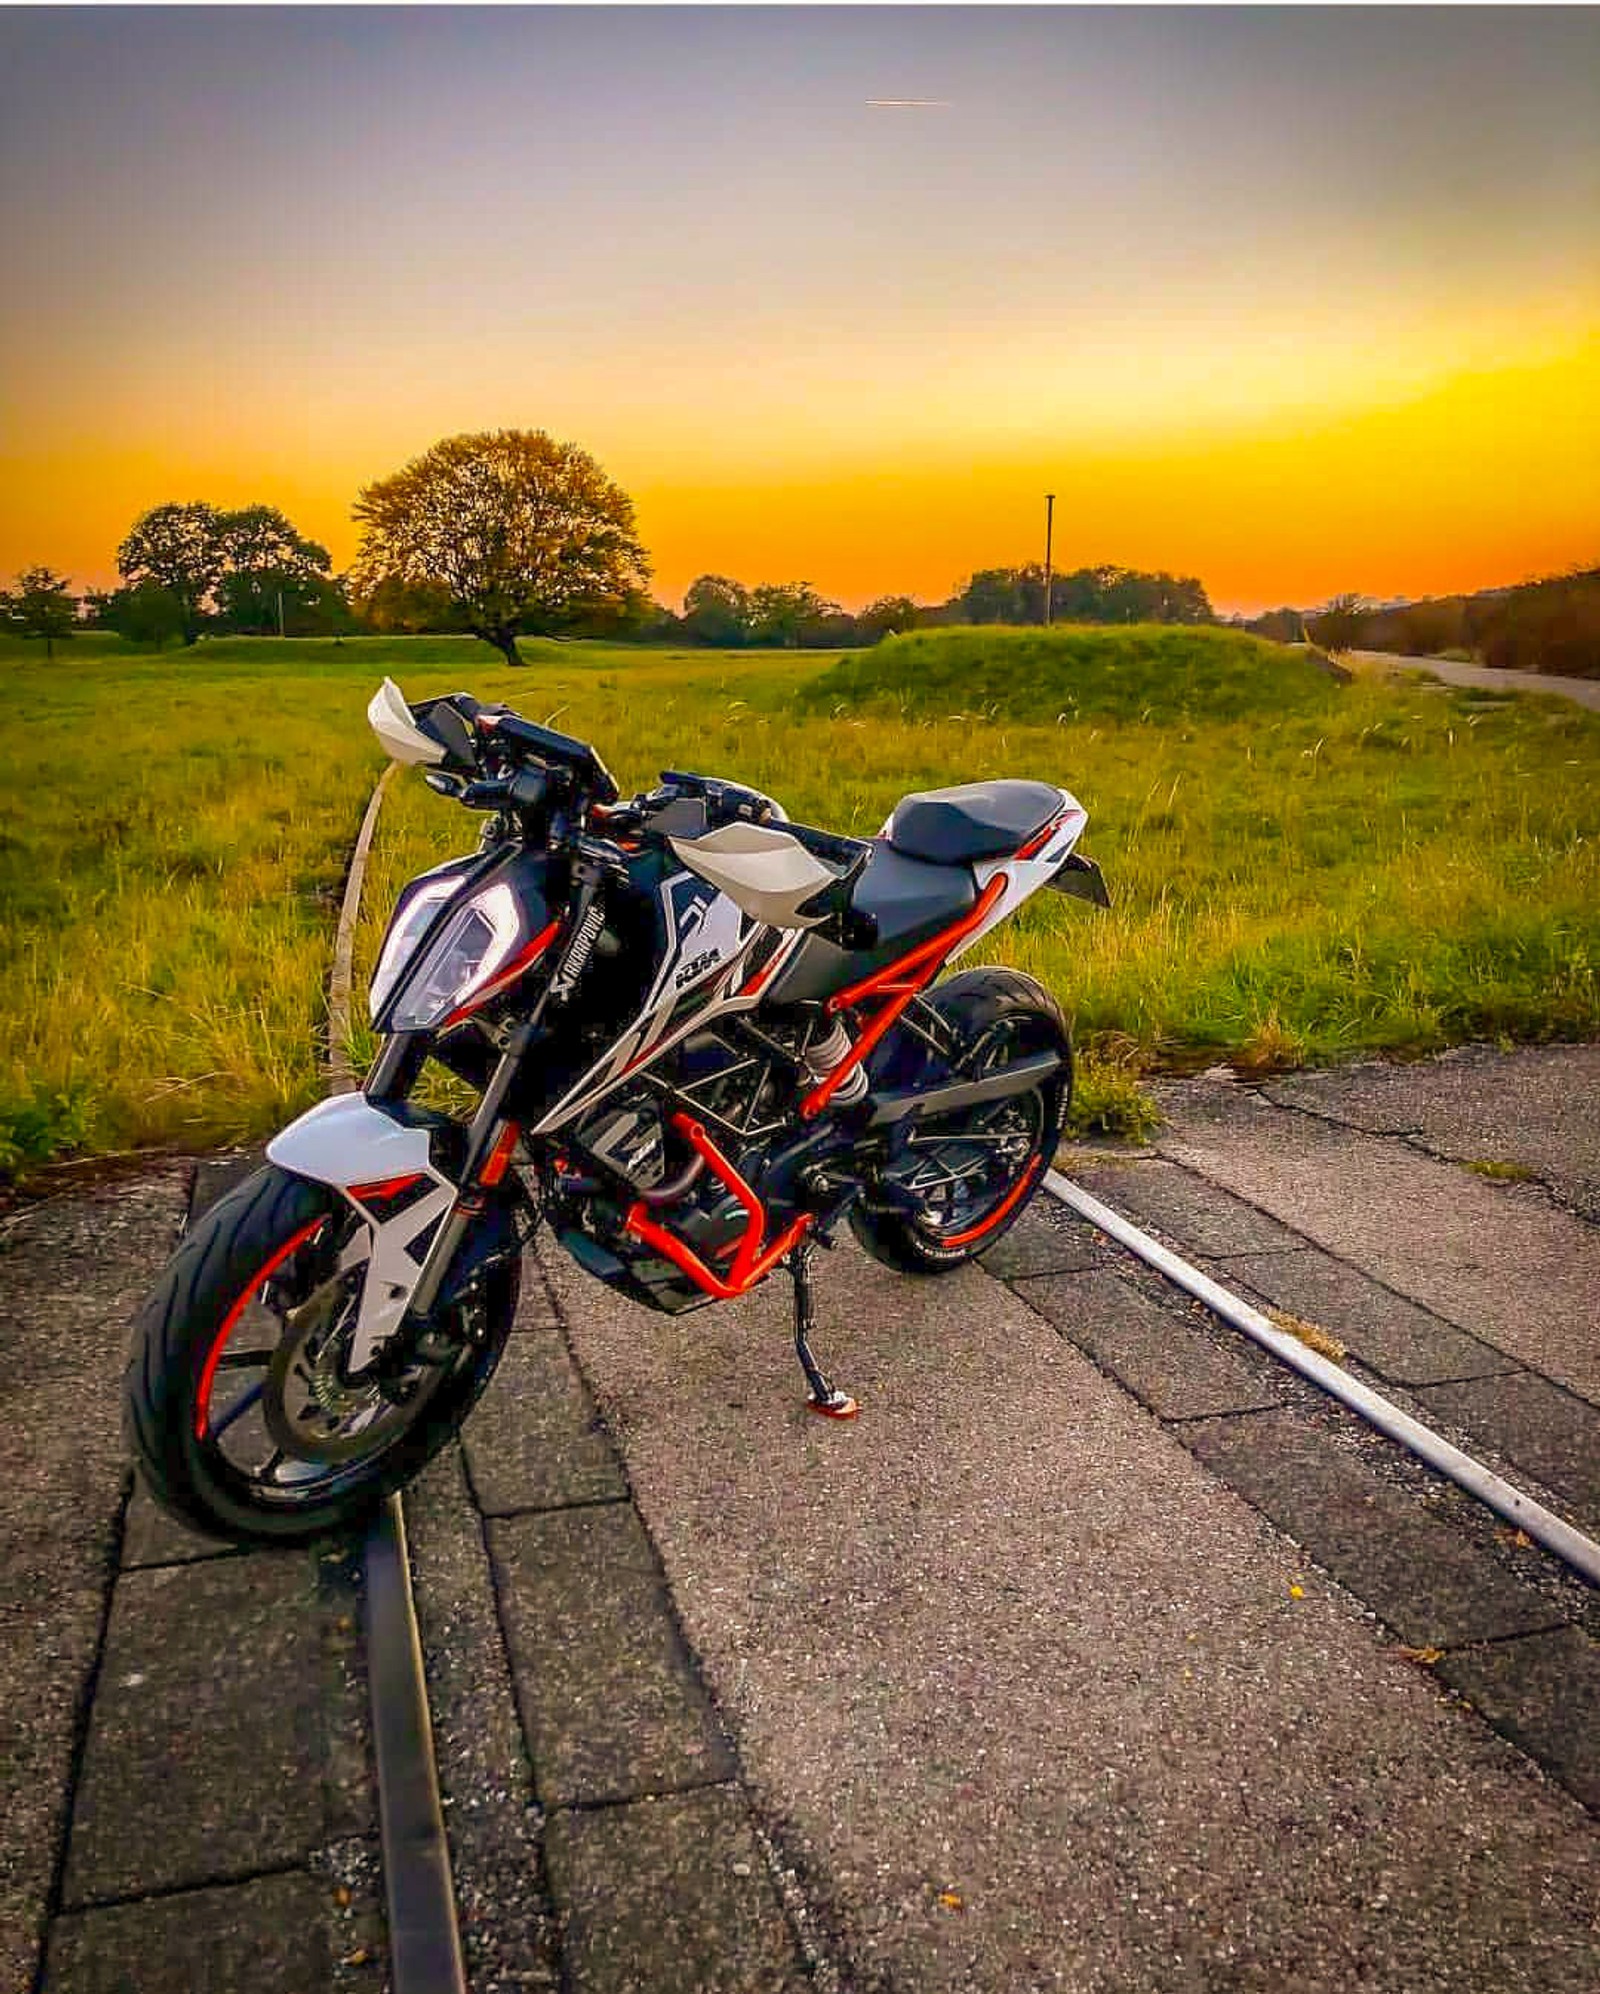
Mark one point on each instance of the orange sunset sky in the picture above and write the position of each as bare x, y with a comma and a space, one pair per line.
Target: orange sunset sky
1298, 301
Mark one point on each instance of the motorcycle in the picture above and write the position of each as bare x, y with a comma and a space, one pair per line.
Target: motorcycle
702, 1038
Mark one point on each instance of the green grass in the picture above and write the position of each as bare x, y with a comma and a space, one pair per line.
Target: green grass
1500, 1170
1301, 871
1151, 673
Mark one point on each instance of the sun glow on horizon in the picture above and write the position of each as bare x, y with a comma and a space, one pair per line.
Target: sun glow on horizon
1134, 267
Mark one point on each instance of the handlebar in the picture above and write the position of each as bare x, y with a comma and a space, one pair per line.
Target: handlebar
496, 760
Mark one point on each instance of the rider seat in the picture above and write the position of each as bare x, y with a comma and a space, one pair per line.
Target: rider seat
975, 820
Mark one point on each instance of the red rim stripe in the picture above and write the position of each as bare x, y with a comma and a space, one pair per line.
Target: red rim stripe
202, 1410
500, 1156
1011, 1198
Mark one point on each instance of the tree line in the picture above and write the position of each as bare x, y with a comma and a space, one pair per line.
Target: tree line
503, 534
1551, 624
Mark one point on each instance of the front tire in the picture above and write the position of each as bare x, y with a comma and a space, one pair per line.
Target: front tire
970, 1201
205, 1387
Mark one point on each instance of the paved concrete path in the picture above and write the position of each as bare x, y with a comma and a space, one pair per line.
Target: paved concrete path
1099, 1654
1585, 691
1031, 1699
187, 1795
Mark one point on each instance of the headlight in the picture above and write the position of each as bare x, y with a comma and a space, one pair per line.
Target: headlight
410, 924
476, 941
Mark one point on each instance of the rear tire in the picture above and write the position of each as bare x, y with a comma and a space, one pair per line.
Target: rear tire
254, 1235
999, 1015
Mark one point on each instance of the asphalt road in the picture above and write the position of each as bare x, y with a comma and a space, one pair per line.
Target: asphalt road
1585, 691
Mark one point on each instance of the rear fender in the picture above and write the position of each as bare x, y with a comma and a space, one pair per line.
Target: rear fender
1026, 871
388, 1168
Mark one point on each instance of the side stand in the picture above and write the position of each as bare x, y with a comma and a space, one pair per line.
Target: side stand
825, 1399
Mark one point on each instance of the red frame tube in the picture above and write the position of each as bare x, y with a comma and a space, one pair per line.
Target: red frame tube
898, 982
752, 1261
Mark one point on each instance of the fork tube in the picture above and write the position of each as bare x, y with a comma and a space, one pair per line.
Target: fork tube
481, 1138
394, 1071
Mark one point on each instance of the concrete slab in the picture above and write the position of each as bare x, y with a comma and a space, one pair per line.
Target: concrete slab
1546, 1431
1533, 1106
611, 1704
1196, 1214
533, 1442
671, 1896
1421, 1576
1545, 1691
1388, 1334
65, 1341
216, 1176
262, 1937
537, 1309
1045, 1240
485, 1777
1511, 1269
216, 1746
1025, 1693
151, 1537
1170, 1364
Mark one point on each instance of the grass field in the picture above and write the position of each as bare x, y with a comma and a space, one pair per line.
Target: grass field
1302, 871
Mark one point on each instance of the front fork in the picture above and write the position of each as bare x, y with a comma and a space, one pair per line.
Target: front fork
491, 1141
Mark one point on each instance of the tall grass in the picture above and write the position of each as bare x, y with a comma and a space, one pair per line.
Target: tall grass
1328, 870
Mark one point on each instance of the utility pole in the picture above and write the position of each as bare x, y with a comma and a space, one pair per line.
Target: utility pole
1049, 527
280, 612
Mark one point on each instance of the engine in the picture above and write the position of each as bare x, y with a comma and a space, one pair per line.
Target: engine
743, 1099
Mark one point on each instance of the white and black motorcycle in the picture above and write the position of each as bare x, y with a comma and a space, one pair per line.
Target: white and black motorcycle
702, 1038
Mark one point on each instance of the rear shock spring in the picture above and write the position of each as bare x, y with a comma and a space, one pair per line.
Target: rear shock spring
830, 1051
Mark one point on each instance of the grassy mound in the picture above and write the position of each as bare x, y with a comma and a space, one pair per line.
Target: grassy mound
1155, 672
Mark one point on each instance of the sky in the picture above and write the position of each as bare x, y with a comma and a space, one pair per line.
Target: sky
1298, 300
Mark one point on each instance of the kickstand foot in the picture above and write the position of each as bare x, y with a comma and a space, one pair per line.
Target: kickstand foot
825, 1400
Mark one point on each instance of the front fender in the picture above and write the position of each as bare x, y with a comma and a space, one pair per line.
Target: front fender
346, 1140
386, 1167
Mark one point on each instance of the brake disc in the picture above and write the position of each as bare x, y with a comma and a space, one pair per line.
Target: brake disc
312, 1408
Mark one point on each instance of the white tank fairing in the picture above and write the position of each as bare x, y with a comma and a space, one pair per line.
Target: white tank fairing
346, 1141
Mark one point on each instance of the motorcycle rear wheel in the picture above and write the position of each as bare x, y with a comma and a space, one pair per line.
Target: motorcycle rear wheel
976, 1174
241, 1422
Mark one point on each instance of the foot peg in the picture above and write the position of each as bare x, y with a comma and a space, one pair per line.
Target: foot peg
825, 1400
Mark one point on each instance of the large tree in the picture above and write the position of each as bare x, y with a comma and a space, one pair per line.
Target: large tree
179, 548
40, 604
716, 611
522, 531
244, 571
889, 616
271, 575
789, 614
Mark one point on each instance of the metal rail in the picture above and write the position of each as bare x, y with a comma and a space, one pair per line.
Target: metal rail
1570, 1545
424, 1940
424, 1937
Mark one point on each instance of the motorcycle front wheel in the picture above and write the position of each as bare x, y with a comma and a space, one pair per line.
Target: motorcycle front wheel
972, 1175
240, 1411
